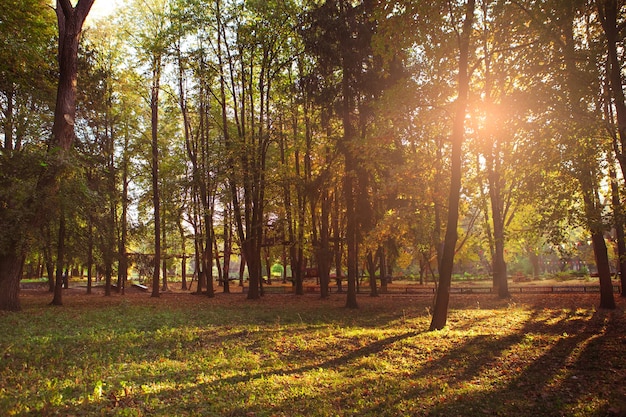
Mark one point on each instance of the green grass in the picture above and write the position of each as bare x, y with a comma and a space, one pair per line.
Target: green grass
182, 355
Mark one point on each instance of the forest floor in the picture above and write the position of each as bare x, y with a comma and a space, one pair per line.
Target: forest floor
286, 355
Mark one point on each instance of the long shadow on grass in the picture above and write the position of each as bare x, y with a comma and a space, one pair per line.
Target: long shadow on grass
334, 363
545, 387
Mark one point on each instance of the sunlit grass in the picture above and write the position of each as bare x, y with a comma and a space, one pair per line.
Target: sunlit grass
303, 356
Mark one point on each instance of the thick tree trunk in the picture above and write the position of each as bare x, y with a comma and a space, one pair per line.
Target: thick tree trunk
11, 266
70, 20
440, 311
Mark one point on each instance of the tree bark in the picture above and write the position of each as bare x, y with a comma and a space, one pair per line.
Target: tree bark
11, 266
70, 20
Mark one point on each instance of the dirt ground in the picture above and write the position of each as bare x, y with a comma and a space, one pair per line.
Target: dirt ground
76, 295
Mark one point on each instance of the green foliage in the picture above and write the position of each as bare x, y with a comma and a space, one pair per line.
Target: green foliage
283, 356
18, 185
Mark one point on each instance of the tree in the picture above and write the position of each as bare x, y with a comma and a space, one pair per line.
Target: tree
150, 26
70, 21
26, 86
440, 311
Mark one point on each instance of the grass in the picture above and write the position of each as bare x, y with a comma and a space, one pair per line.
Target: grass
184, 355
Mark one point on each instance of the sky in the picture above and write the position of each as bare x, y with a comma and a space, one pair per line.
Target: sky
102, 8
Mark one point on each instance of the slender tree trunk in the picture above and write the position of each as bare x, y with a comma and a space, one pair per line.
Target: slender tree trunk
183, 272
440, 311
165, 286
499, 263
228, 239
8, 119
618, 220
338, 247
47, 256
208, 267
323, 253
58, 286
122, 272
216, 257
350, 174
371, 269
242, 268
383, 269
609, 11
89, 253
351, 237
156, 200
183, 249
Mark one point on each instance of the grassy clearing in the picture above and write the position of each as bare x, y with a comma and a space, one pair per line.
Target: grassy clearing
184, 355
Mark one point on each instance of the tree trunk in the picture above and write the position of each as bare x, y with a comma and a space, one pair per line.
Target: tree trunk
499, 264
208, 248
440, 311
228, 242
47, 256
618, 224
242, 268
609, 10
371, 269
11, 266
351, 237
70, 20
57, 300
122, 271
165, 286
183, 272
604, 271
338, 247
323, 253
89, 253
216, 257
156, 200
383, 269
